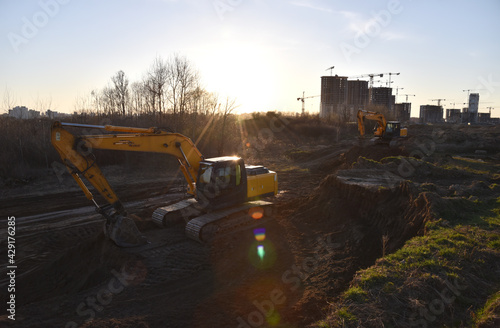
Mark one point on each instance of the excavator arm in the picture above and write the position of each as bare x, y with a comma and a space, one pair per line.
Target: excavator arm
76, 154
374, 116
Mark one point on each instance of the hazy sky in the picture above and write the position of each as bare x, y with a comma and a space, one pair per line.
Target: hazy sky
264, 53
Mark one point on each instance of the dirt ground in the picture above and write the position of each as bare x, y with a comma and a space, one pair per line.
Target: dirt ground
317, 237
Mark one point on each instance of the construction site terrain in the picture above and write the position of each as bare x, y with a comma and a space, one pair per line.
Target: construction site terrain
360, 235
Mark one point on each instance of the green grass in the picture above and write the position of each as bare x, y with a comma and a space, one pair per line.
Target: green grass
356, 294
474, 165
297, 154
487, 314
345, 315
461, 245
453, 253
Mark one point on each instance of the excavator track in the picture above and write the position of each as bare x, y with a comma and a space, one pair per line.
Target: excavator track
174, 213
207, 226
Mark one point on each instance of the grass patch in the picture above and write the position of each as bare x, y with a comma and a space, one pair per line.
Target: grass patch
469, 212
344, 315
451, 263
488, 315
443, 278
473, 165
356, 294
296, 154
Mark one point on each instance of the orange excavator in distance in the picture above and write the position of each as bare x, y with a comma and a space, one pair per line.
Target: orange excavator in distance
221, 191
385, 130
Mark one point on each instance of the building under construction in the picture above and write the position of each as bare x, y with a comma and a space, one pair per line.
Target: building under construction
473, 107
402, 112
453, 115
431, 114
382, 96
333, 96
342, 98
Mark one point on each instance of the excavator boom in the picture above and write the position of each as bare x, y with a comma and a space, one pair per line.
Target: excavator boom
76, 153
374, 116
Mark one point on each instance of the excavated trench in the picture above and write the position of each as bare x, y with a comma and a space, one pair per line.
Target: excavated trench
365, 214
73, 268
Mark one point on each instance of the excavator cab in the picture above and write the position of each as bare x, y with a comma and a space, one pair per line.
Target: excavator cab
392, 129
221, 182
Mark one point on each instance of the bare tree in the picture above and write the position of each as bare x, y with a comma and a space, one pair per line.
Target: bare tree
8, 100
43, 105
187, 80
155, 81
108, 100
138, 98
228, 108
182, 81
120, 82
96, 101
83, 105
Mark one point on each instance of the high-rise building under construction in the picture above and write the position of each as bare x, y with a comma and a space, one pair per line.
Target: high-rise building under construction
342, 98
333, 95
473, 107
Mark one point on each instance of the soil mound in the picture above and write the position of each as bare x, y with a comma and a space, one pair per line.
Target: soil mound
381, 207
374, 152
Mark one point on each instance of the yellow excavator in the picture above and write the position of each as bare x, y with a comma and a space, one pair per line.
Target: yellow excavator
385, 130
221, 191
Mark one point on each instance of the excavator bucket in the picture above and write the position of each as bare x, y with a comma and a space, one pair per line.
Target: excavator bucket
123, 232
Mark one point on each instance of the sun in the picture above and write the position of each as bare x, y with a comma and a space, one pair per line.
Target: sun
242, 71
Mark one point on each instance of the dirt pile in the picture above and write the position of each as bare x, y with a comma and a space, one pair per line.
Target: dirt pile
373, 152
376, 205
326, 160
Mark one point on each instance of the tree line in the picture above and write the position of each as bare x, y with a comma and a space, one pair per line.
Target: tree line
168, 86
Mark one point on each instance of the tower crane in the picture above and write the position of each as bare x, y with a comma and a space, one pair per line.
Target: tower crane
438, 100
370, 86
330, 69
454, 103
397, 90
371, 76
390, 74
469, 90
408, 96
303, 99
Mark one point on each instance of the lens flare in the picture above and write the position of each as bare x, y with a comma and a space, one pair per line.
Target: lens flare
262, 254
256, 213
273, 319
260, 234
261, 251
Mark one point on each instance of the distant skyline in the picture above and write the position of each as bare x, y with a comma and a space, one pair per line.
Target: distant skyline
263, 53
